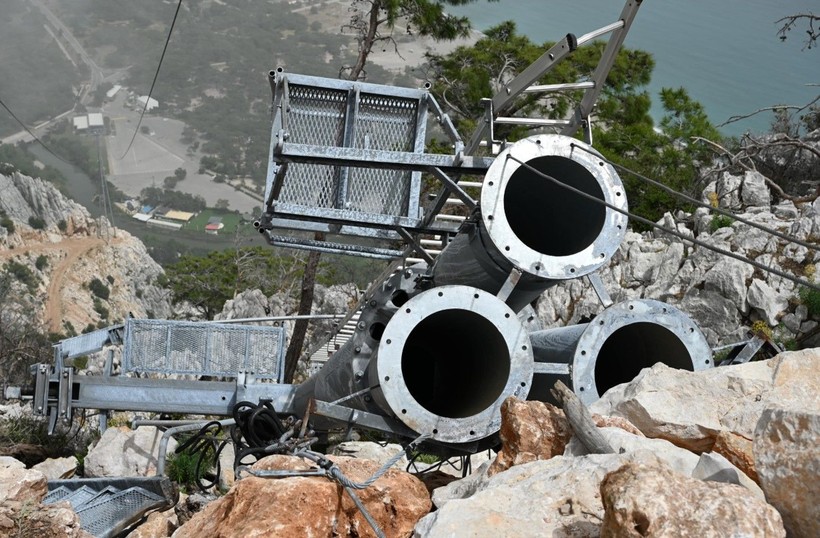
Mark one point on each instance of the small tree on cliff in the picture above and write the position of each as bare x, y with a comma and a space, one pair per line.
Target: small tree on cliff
370, 18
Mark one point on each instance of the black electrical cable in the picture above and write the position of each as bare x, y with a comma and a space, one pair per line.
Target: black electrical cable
23, 125
670, 231
156, 74
257, 428
699, 203
207, 447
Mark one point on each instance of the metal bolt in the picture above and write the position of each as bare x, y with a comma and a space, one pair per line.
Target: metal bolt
358, 349
368, 398
373, 303
360, 325
359, 375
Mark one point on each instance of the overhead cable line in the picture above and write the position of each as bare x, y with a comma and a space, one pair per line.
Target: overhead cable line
156, 74
23, 125
699, 203
664, 229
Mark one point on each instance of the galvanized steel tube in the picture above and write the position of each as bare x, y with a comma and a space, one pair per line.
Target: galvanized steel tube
616, 346
530, 223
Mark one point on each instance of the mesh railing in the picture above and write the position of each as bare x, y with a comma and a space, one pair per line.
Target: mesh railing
180, 347
318, 116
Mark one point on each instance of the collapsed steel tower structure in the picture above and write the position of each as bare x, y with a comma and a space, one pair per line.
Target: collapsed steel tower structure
449, 332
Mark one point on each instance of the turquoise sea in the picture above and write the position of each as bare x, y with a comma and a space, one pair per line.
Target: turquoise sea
726, 53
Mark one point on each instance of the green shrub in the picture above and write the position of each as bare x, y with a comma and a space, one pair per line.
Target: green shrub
110, 279
182, 468
23, 274
37, 223
99, 289
62, 225
810, 297
720, 221
101, 309
42, 262
7, 223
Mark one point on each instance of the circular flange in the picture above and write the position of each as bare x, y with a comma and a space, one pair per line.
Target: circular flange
484, 319
674, 331
573, 158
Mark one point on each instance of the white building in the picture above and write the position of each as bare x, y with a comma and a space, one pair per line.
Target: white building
81, 123
113, 91
152, 103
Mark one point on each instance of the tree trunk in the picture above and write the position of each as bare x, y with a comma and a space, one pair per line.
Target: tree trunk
301, 325
367, 41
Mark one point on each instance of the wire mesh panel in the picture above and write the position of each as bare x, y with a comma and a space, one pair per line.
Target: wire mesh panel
180, 347
330, 113
103, 515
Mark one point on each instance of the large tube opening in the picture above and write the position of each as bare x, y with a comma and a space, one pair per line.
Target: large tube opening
549, 218
635, 347
455, 363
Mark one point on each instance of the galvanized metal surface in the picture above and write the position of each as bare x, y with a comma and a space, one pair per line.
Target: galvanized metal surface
615, 346
528, 224
108, 506
180, 347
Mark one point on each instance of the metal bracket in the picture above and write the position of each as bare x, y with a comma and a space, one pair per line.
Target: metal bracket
415, 244
41, 389
64, 393
600, 290
510, 284
362, 418
551, 368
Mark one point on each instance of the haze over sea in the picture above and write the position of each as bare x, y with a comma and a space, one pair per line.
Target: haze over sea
726, 53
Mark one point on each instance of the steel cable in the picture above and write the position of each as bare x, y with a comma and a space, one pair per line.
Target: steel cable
699, 203
670, 231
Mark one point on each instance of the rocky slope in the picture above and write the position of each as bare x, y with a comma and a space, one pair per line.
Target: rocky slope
65, 250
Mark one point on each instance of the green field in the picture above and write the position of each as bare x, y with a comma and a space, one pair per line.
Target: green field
229, 219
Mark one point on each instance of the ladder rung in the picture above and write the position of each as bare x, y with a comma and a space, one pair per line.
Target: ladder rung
454, 201
476, 184
452, 218
430, 242
415, 260
600, 31
531, 121
560, 87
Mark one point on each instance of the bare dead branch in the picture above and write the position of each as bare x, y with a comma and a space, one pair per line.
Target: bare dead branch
787, 24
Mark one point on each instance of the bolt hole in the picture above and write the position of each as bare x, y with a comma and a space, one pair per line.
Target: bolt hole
583, 352
572, 270
441, 294
691, 329
601, 322
631, 307
408, 310
523, 384
664, 311
387, 378
223, 398
404, 411
475, 295
600, 163
618, 193
389, 341
506, 315
524, 348
507, 248
581, 389
490, 217
707, 361
490, 183
435, 431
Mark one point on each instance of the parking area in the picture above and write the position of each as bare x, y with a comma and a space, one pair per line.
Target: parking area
155, 155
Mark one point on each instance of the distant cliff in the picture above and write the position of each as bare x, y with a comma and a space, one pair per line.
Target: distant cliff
78, 271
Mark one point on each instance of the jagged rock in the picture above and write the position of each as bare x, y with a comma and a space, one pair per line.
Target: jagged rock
690, 409
312, 506
788, 463
785, 210
755, 192
715, 314
157, 525
19, 484
729, 280
654, 501
125, 452
57, 468
728, 190
616, 422
23, 519
192, 504
530, 431
715, 468
679, 459
766, 301
555, 497
26, 197
247, 304
738, 450
371, 451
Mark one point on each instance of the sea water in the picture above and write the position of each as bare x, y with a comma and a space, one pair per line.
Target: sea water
726, 53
